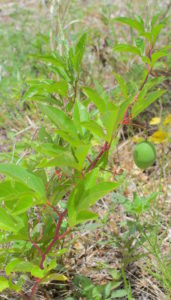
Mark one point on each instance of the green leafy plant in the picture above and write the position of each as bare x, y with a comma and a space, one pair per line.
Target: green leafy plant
44, 196
84, 287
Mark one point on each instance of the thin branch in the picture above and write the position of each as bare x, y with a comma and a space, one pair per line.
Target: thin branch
93, 163
126, 118
53, 207
62, 215
35, 245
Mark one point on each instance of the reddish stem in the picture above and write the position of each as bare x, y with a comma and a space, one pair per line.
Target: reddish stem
54, 208
35, 245
57, 237
62, 215
126, 118
64, 234
93, 163
34, 288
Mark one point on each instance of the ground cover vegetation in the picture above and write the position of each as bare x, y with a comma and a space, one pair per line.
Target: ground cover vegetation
84, 160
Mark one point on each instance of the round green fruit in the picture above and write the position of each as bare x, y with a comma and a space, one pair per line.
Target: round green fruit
144, 155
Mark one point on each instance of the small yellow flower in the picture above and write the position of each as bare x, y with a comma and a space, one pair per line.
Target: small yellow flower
155, 121
167, 120
158, 137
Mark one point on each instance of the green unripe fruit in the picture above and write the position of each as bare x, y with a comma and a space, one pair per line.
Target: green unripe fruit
144, 154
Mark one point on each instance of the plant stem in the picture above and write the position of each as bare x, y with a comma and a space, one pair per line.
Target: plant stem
56, 238
94, 162
126, 118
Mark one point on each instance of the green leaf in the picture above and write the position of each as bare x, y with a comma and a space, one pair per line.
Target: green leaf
95, 98
127, 48
4, 284
111, 119
59, 118
156, 30
44, 137
131, 22
142, 104
12, 190
122, 83
18, 265
60, 88
60, 160
68, 137
53, 59
91, 196
140, 45
79, 52
84, 195
45, 87
91, 178
158, 54
37, 272
85, 215
54, 276
17, 286
119, 294
51, 149
94, 128
80, 114
21, 174
24, 203
155, 19
81, 153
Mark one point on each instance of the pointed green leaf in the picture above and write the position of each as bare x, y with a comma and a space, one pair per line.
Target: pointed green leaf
44, 87
81, 153
53, 59
59, 118
7, 222
119, 294
158, 54
142, 104
60, 160
140, 45
85, 215
156, 30
111, 119
54, 276
95, 128
80, 114
95, 98
139, 26
18, 265
83, 197
4, 284
92, 195
68, 137
127, 48
37, 272
122, 83
79, 52
60, 88
24, 203
155, 19
21, 174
